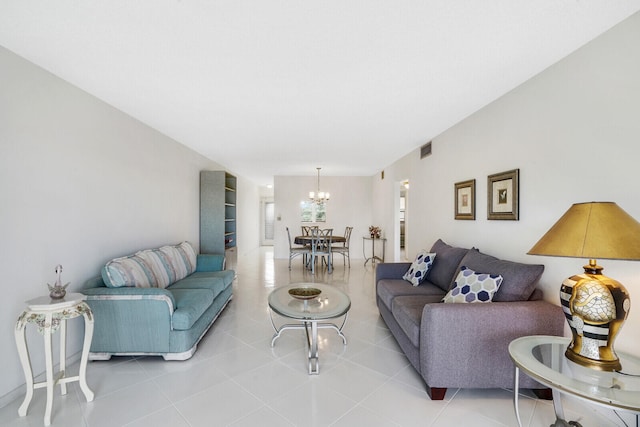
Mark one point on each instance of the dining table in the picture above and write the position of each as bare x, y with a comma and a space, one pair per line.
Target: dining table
307, 240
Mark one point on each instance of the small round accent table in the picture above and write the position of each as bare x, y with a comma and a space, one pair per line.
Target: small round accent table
332, 303
49, 315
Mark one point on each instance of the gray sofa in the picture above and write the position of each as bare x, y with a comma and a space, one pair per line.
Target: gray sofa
157, 302
464, 345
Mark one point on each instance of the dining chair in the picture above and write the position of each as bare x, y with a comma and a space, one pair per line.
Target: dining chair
321, 248
343, 248
294, 251
308, 229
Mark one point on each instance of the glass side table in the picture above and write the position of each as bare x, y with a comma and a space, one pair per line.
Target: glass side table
310, 314
542, 358
373, 256
50, 315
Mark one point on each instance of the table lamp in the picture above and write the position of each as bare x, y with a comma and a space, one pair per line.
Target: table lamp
595, 305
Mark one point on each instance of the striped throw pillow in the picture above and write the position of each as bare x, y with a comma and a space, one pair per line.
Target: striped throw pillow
130, 271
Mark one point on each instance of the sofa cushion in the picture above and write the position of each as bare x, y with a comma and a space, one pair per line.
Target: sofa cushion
388, 289
519, 280
189, 253
130, 271
182, 258
151, 268
227, 276
190, 304
446, 264
473, 287
419, 267
407, 310
201, 281
160, 266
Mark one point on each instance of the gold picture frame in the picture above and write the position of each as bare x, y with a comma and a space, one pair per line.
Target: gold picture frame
502, 195
465, 200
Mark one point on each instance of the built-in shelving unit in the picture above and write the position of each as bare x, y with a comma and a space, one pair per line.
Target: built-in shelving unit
229, 211
218, 191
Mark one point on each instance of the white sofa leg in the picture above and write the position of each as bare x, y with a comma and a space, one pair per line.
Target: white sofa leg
100, 356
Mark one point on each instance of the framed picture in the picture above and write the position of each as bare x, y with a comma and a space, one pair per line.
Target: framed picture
465, 195
502, 195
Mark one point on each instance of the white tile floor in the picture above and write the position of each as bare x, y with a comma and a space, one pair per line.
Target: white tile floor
237, 379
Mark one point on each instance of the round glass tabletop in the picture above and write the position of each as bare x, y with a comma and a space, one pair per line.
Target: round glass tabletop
331, 302
542, 358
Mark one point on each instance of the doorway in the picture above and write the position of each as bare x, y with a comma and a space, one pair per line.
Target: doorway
402, 219
267, 221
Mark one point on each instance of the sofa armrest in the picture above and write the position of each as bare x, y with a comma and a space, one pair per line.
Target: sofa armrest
468, 343
131, 320
131, 294
210, 262
391, 270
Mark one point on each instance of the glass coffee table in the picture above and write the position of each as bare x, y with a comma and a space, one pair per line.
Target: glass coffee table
542, 358
311, 312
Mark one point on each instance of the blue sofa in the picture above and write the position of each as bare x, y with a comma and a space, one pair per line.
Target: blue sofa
157, 302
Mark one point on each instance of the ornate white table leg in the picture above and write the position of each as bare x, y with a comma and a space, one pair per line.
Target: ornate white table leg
25, 360
88, 335
63, 356
48, 358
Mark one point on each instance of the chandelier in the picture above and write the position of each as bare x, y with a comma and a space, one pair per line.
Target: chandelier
318, 196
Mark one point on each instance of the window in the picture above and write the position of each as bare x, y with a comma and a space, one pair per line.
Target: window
313, 212
269, 218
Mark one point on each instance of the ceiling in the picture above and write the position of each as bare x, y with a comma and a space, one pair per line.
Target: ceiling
280, 87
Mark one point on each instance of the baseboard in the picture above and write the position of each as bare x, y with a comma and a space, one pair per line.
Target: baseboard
19, 392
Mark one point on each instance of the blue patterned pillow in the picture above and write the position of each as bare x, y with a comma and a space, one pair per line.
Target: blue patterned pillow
473, 287
419, 267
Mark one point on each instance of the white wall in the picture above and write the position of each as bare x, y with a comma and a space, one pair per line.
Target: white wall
386, 203
574, 133
81, 183
248, 212
350, 205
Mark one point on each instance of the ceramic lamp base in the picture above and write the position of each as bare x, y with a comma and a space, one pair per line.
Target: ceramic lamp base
601, 365
596, 307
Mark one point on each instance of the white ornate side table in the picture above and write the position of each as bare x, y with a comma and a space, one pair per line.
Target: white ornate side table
49, 315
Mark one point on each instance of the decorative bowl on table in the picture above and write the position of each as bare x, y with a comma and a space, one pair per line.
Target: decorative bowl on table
304, 293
